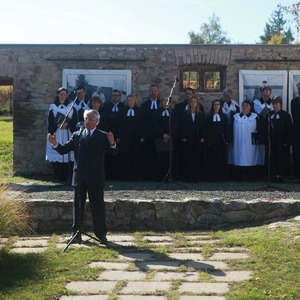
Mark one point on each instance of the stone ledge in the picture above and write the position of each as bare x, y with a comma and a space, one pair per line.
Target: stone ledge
130, 215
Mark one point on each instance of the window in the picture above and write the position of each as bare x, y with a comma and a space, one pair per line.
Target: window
203, 79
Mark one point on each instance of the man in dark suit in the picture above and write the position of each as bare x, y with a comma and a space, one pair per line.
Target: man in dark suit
89, 146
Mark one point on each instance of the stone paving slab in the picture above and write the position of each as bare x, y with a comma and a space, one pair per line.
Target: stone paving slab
122, 244
226, 255
158, 238
136, 256
140, 297
121, 238
108, 265
231, 275
204, 242
201, 298
158, 244
3, 240
85, 297
91, 287
169, 276
31, 243
122, 275
141, 287
203, 287
25, 250
169, 265
186, 256
206, 265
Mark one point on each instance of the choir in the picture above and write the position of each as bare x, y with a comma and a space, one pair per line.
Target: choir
158, 138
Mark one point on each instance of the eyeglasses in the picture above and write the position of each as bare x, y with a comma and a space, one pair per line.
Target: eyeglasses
189, 93
89, 119
115, 95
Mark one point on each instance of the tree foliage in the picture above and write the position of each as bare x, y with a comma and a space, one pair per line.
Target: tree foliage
293, 10
276, 30
210, 33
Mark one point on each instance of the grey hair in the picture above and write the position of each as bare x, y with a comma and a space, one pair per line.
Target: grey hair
227, 91
96, 114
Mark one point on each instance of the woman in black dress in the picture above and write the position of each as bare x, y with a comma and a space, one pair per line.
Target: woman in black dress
217, 137
192, 134
129, 136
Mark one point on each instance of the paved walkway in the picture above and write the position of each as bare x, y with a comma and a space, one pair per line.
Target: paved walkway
147, 276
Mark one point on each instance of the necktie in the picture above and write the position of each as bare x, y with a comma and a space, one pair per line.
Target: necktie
87, 138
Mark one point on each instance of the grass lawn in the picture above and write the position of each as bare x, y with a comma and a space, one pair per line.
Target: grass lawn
274, 257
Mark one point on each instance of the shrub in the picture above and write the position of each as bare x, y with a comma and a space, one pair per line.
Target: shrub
14, 215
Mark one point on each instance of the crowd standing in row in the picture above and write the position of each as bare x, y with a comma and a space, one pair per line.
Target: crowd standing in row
231, 142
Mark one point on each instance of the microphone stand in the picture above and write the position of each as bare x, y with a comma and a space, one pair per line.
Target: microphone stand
77, 203
168, 177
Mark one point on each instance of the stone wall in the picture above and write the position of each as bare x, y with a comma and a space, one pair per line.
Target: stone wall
35, 71
53, 216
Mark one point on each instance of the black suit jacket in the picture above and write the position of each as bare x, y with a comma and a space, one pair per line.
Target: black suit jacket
89, 157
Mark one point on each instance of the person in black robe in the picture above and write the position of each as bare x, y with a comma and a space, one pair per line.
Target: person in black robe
96, 104
166, 139
81, 104
181, 109
281, 136
295, 110
111, 113
192, 134
150, 109
130, 136
217, 137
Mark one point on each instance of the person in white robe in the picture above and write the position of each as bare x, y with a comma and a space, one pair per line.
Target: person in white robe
62, 164
245, 152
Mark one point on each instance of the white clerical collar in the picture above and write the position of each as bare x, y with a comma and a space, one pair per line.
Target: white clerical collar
216, 118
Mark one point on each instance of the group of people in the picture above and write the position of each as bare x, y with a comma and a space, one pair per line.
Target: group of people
158, 139
128, 141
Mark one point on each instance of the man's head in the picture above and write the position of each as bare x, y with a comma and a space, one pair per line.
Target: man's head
266, 93
115, 96
189, 93
80, 91
154, 91
227, 94
91, 118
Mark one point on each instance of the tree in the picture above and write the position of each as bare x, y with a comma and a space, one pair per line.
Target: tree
293, 10
275, 28
210, 33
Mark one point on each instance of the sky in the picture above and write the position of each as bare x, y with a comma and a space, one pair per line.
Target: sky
130, 21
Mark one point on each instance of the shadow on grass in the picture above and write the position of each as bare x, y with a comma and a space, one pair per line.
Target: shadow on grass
17, 269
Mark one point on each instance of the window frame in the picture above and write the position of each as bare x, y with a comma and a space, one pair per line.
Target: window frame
201, 70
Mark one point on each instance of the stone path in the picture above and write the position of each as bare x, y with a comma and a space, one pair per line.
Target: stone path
142, 275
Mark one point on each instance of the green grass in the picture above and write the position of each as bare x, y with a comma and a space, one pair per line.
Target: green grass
274, 261
6, 147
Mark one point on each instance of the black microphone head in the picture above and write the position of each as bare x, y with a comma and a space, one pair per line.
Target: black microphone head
176, 79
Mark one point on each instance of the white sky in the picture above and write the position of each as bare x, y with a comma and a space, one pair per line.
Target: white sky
130, 21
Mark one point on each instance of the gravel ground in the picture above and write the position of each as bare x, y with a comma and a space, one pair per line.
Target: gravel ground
47, 188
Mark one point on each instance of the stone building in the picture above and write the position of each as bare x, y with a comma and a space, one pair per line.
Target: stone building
36, 71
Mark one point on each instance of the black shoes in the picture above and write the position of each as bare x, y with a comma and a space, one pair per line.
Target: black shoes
103, 240
76, 240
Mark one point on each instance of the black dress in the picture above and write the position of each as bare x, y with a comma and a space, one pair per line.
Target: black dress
280, 129
130, 132
194, 159
295, 110
217, 136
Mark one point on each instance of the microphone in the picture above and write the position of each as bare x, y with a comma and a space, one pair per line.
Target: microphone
176, 79
75, 92
80, 131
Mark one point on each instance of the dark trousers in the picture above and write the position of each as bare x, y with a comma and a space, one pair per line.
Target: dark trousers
97, 205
